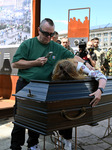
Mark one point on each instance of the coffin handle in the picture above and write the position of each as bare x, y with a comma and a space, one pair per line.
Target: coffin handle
82, 114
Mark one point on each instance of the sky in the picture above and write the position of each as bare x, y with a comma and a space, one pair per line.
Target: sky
57, 10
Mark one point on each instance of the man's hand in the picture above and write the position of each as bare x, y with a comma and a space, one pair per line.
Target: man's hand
41, 61
97, 98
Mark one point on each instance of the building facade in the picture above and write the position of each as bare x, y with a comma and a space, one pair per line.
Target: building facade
104, 35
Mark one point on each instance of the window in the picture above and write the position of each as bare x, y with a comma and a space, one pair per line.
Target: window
105, 34
111, 38
105, 49
99, 35
92, 35
105, 44
105, 39
100, 45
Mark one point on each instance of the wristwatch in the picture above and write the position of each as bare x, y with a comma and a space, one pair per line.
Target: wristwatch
101, 89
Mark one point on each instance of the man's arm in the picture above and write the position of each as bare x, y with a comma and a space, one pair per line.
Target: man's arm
24, 64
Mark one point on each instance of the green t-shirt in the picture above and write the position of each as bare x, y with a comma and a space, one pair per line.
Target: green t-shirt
32, 49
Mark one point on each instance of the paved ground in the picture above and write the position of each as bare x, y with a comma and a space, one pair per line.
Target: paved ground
89, 138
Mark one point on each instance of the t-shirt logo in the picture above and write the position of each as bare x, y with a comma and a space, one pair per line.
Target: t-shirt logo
53, 57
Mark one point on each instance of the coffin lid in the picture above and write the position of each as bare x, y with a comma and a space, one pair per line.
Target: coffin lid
51, 91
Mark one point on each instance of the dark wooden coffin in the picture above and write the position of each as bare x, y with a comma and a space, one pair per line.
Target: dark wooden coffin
47, 106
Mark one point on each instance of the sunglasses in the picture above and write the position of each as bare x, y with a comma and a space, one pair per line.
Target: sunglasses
46, 33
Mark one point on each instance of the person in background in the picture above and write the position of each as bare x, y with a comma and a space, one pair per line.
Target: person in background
82, 50
32, 61
58, 41
92, 58
76, 46
65, 43
108, 65
86, 52
105, 67
99, 53
69, 47
55, 36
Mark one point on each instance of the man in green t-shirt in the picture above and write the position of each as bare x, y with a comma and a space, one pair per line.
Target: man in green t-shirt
33, 63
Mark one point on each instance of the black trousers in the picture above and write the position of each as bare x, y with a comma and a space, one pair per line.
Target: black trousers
18, 132
66, 133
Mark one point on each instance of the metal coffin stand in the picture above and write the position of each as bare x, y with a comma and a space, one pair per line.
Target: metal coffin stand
47, 106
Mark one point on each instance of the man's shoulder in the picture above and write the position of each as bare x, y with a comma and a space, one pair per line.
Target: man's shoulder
29, 40
56, 45
99, 51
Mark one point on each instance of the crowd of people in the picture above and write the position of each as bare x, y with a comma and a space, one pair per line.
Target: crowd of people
32, 64
91, 53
